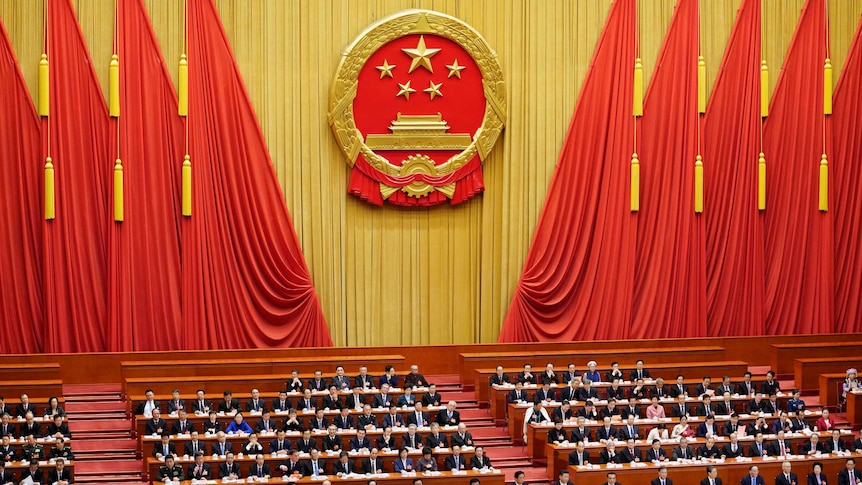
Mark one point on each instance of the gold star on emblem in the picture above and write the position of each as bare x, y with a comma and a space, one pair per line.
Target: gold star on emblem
454, 69
385, 69
405, 90
433, 89
421, 56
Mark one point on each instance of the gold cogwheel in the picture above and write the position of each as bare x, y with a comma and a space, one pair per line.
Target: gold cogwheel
418, 164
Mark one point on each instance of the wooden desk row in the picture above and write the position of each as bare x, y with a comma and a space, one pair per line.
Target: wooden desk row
668, 371
537, 434
165, 370
38, 390
267, 396
499, 394
443, 478
731, 471
558, 456
148, 441
806, 372
783, 355
274, 461
302, 416
517, 412
561, 358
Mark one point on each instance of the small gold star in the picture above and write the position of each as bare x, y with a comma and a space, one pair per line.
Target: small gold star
433, 89
405, 90
385, 69
421, 56
454, 69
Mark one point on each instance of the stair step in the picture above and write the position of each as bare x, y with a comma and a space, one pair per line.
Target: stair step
127, 443
76, 389
101, 406
100, 425
79, 417
113, 466
125, 479
93, 398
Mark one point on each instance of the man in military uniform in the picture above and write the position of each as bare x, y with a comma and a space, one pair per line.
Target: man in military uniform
32, 450
170, 471
60, 450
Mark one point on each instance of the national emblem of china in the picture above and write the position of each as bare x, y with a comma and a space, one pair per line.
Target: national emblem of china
417, 104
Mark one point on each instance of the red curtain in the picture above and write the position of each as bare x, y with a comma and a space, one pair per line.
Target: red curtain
731, 142
21, 230
577, 278
799, 255
245, 281
144, 266
670, 262
847, 201
77, 130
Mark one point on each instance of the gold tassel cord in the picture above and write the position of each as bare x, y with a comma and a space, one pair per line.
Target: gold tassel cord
44, 93
187, 186
827, 87
761, 182
50, 212
638, 99
636, 181
701, 85
764, 89
698, 185
824, 184
114, 87
183, 87
118, 191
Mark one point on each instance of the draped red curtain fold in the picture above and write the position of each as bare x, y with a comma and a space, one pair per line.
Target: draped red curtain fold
76, 242
245, 281
576, 282
21, 230
731, 141
799, 253
145, 270
670, 260
846, 158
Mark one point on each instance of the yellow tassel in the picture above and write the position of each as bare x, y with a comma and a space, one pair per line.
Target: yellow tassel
638, 99
187, 186
824, 184
183, 86
701, 85
114, 87
636, 182
118, 191
44, 95
761, 182
764, 89
49, 189
827, 87
698, 185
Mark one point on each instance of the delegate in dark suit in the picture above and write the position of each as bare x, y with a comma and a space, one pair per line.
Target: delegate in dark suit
499, 380
55, 475
629, 456
657, 481
38, 476
717, 480
202, 472
6, 477
139, 409
656, 455
262, 471
579, 459
372, 465
224, 469
747, 480
728, 451
781, 479
189, 449
813, 479
845, 477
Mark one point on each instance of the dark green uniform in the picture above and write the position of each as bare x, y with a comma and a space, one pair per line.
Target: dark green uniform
175, 473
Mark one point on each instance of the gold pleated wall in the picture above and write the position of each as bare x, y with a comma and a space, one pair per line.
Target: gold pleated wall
388, 276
